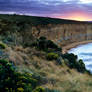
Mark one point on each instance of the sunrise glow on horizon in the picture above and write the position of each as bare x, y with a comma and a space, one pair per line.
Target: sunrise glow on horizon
80, 10
76, 16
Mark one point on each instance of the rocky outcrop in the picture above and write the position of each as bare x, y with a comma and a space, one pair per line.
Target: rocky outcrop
64, 34
23, 30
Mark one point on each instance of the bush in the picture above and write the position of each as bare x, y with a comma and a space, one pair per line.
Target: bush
51, 44
42, 44
52, 56
46, 45
2, 45
12, 80
72, 62
39, 89
81, 66
71, 59
88, 72
42, 38
20, 90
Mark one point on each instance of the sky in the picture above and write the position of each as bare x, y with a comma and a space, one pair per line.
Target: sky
66, 9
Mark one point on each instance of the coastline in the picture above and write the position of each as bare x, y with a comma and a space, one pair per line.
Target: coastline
66, 48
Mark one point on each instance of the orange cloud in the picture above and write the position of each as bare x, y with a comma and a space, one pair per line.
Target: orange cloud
77, 16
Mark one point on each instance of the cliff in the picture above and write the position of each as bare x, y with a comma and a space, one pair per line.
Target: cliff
41, 58
64, 34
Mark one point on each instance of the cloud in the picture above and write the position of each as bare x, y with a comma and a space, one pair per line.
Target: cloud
52, 8
86, 1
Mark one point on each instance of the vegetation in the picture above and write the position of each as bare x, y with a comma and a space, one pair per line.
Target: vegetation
46, 45
12, 81
35, 21
54, 52
72, 62
39, 89
52, 56
2, 45
31, 66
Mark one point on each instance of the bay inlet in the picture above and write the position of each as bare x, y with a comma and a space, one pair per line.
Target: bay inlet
84, 52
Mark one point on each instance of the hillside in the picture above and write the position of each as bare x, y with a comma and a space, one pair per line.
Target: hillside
36, 63
34, 20
64, 31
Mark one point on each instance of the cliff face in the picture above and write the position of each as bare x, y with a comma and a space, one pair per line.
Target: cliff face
24, 29
64, 34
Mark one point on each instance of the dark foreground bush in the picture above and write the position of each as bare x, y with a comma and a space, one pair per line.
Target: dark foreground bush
39, 89
12, 81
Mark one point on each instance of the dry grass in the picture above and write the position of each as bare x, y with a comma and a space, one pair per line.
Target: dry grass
64, 79
59, 77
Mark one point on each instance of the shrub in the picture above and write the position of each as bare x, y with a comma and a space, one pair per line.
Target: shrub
42, 44
20, 90
28, 88
72, 62
46, 45
39, 89
51, 44
81, 66
71, 59
53, 90
59, 61
42, 38
52, 56
2, 45
33, 82
15, 81
88, 72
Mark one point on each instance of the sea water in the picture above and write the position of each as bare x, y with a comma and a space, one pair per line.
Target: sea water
84, 52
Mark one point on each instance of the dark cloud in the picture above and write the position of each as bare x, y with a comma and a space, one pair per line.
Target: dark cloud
45, 7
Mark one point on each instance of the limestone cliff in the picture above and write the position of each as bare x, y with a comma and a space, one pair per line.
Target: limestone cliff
24, 29
64, 34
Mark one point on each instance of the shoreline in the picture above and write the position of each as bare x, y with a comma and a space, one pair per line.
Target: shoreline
66, 48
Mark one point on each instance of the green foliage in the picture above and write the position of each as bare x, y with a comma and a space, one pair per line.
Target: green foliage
42, 38
81, 66
88, 72
39, 89
2, 45
34, 21
72, 62
72, 59
52, 56
49, 90
46, 45
20, 90
12, 81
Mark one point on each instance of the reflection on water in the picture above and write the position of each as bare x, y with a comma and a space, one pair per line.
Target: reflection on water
84, 52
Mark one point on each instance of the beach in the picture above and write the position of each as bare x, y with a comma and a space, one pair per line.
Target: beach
66, 48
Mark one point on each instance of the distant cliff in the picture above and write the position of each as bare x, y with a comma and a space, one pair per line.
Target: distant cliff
65, 33
24, 29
